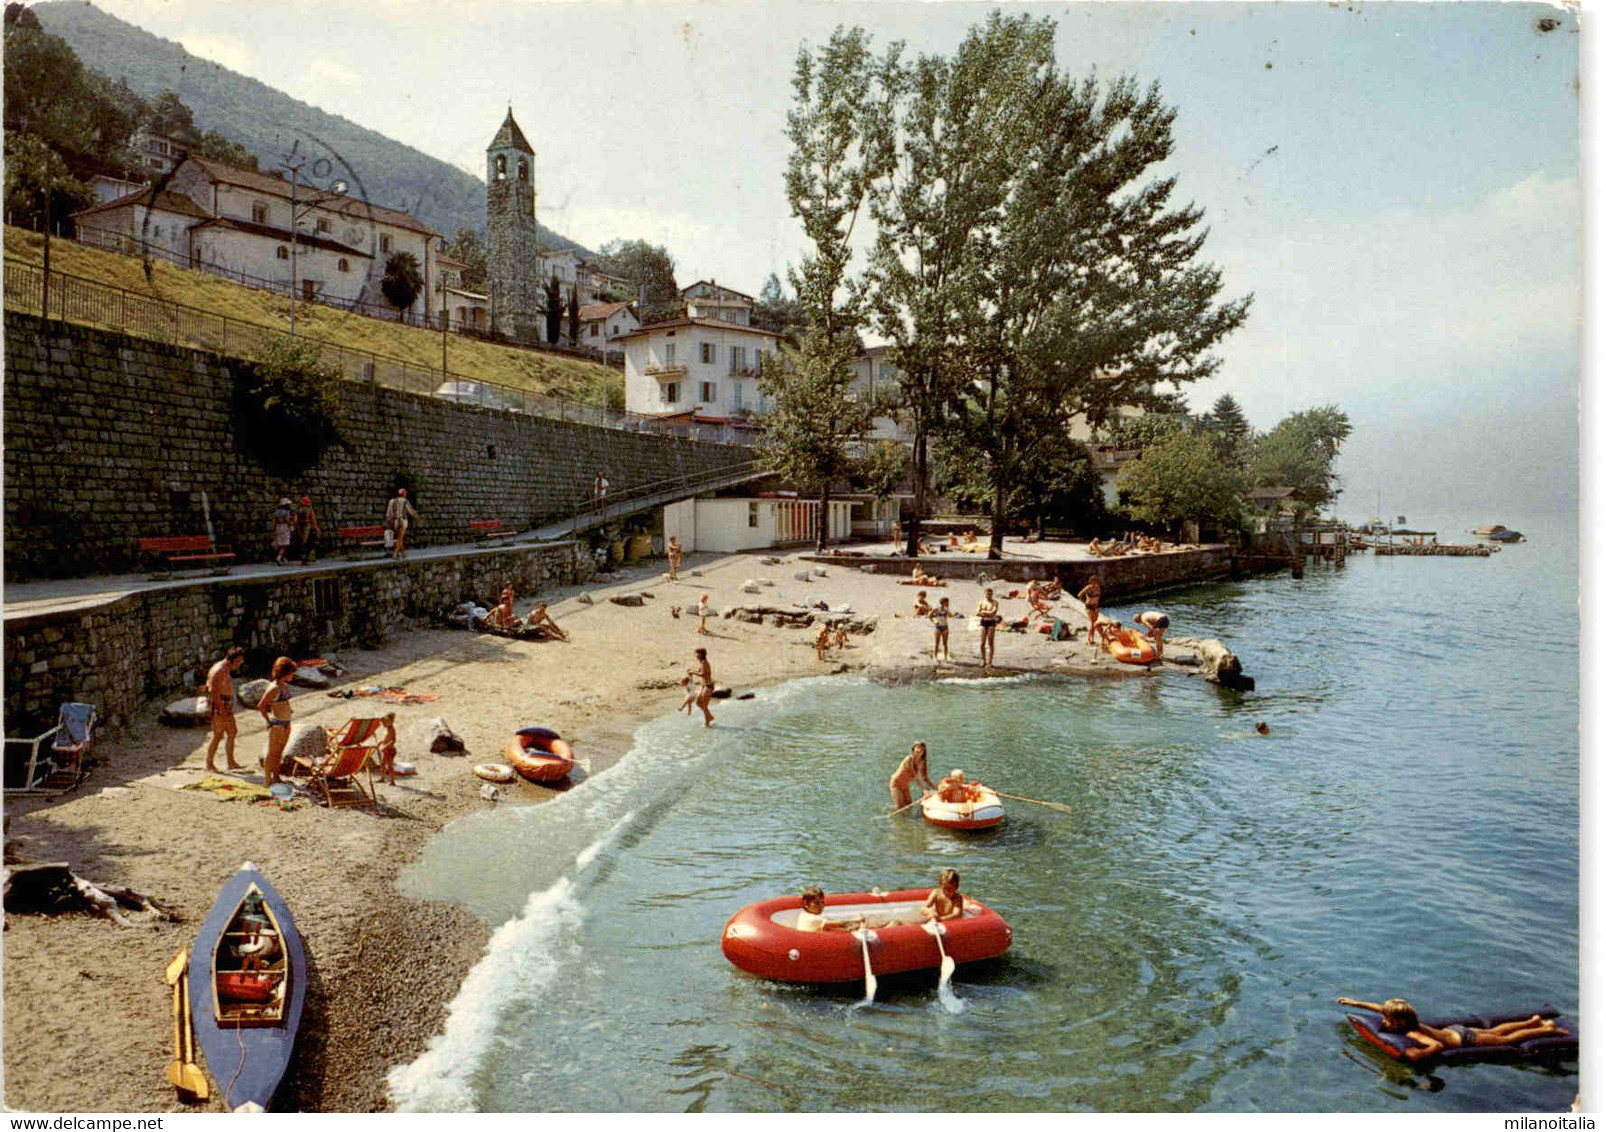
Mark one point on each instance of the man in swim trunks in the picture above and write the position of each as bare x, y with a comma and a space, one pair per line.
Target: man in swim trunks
539, 618
987, 614
1399, 1017
220, 694
910, 770
1156, 623
1089, 596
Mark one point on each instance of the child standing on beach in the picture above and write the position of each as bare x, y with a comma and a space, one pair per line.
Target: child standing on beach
702, 615
939, 621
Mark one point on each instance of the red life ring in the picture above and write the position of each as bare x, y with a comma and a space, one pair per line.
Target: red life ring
760, 939
539, 754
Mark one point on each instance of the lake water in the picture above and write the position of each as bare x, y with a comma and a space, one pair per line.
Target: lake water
1409, 827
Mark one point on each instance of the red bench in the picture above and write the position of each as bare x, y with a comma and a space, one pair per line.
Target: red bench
353, 539
490, 528
178, 549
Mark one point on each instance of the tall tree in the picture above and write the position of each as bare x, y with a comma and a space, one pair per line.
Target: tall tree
1231, 429
649, 267
778, 311
574, 316
554, 310
1181, 478
1077, 288
838, 129
403, 281
1299, 453
468, 249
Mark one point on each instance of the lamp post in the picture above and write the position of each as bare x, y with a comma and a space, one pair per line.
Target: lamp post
293, 162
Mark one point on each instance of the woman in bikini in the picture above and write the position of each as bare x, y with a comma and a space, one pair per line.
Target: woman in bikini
1089, 596
1399, 1017
939, 620
703, 673
911, 770
987, 613
275, 708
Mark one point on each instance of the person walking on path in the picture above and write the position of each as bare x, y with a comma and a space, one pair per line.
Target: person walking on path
599, 493
220, 698
1089, 596
703, 674
275, 708
307, 531
284, 518
987, 614
674, 557
398, 513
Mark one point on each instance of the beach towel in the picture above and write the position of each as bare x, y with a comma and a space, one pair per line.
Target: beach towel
394, 695
1060, 632
229, 788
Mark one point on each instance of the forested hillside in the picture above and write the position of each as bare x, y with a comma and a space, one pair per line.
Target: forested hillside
257, 116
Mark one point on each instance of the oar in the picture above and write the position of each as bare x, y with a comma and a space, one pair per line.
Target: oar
194, 1079
947, 971
175, 971
916, 802
869, 975
1060, 806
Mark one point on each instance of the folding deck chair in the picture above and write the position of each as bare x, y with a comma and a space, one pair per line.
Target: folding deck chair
61, 768
351, 749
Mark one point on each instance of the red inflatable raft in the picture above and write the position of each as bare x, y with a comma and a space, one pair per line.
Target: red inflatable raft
1130, 647
539, 754
761, 939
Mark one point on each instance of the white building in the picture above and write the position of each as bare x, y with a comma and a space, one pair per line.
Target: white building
753, 522
465, 309
708, 300
602, 323
874, 376
694, 367
237, 224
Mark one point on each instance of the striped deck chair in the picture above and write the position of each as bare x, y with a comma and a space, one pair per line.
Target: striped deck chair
353, 748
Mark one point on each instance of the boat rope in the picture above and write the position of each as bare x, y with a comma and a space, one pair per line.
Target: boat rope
237, 1069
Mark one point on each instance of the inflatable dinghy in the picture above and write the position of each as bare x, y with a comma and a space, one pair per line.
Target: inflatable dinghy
1369, 1024
762, 939
1131, 648
982, 809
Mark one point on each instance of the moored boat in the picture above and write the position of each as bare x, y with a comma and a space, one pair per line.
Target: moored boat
763, 939
540, 754
982, 809
248, 983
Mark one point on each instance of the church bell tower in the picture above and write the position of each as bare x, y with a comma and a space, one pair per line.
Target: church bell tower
512, 246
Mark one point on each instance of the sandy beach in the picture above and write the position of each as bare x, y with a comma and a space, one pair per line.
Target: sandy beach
81, 991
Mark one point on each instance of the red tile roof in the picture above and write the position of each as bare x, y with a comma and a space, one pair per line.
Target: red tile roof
166, 201
709, 322
279, 187
596, 312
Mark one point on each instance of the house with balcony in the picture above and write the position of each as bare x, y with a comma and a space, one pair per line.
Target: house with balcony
708, 300
698, 369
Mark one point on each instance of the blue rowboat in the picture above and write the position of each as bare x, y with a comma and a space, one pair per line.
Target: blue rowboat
248, 982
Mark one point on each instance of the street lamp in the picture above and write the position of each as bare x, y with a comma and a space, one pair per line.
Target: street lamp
293, 162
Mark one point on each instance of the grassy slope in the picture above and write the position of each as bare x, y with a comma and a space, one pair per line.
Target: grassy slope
557, 376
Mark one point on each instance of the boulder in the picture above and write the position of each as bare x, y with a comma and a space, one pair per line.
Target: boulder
751, 587
191, 711
819, 572
628, 599
1221, 667
649, 595
490, 793
249, 694
586, 599
801, 576
769, 561
309, 678
766, 581
434, 735
307, 740
751, 616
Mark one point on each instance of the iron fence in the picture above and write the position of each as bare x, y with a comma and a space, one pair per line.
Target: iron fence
72, 298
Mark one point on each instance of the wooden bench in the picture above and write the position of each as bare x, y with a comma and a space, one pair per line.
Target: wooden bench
490, 528
353, 539
177, 549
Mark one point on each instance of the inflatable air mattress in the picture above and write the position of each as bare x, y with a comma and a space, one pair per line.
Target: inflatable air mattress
1369, 1025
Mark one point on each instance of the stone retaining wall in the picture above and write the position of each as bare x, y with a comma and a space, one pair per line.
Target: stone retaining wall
110, 438
1118, 577
120, 654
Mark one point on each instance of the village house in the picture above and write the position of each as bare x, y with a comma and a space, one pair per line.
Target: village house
602, 323
236, 223
465, 309
697, 369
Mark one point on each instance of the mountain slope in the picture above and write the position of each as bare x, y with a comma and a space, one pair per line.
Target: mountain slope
260, 117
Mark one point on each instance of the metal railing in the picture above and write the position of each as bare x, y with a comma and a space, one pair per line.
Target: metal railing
73, 298
689, 483
122, 243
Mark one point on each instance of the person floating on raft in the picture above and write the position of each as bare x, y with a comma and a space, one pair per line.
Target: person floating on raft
1399, 1017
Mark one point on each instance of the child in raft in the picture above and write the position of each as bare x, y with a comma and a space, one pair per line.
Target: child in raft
946, 902
1399, 1017
953, 787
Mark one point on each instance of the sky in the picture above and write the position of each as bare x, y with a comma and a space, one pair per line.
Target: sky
1397, 184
